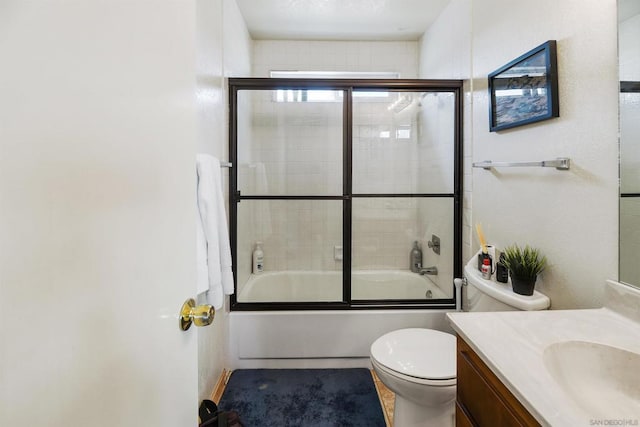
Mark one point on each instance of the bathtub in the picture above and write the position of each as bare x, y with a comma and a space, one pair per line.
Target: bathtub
298, 286
324, 338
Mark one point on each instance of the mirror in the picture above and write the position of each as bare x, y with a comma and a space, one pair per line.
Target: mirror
629, 65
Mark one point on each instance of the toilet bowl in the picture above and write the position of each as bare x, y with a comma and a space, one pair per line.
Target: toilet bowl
419, 365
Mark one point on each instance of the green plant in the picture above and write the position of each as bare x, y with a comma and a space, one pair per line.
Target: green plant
524, 262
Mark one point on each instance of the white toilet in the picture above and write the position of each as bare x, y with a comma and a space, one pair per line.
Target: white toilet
419, 365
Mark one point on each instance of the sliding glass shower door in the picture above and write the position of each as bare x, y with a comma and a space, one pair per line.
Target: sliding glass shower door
403, 192
334, 180
289, 175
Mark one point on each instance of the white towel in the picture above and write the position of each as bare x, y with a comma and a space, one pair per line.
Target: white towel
214, 252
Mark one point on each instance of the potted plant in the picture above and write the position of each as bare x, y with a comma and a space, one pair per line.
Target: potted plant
524, 265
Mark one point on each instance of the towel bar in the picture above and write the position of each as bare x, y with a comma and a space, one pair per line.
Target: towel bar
561, 163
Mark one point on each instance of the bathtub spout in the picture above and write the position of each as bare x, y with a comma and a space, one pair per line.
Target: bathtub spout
431, 271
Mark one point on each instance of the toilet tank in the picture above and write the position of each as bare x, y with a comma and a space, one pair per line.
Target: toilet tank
489, 295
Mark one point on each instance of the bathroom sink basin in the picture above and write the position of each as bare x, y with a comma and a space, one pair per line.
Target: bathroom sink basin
604, 381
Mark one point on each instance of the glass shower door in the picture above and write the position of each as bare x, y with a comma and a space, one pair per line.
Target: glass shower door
629, 182
289, 179
403, 192
335, 179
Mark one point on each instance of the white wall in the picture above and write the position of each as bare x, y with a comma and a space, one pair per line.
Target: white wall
238, 45
571, 216
224, 50
445, 48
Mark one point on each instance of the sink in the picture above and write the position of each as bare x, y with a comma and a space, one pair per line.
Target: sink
604, 381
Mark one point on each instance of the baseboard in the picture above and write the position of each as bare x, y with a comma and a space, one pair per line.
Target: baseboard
220, 385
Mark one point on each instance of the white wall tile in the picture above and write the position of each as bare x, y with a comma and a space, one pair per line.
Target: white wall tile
361, 56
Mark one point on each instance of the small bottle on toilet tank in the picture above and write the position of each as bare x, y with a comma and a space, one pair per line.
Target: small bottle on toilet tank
258, 259
502, 273
486, 268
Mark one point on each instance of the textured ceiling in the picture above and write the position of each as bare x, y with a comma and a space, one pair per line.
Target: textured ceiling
339, 19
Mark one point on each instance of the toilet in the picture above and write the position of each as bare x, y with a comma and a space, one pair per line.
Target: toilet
419, 365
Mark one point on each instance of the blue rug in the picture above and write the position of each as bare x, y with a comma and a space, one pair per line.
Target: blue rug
303, 398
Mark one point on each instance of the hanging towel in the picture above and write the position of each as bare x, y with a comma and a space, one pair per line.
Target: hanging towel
214, 253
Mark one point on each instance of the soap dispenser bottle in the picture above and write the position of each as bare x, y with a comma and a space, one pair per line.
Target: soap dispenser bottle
258, 259
415, 257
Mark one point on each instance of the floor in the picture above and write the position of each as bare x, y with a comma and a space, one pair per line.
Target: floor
387, 399
386, 396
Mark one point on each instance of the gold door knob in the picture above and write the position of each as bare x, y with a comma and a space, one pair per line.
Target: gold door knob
201, 315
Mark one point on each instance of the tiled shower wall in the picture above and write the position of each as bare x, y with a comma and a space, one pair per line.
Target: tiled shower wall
295, 148
290, 149
362, 56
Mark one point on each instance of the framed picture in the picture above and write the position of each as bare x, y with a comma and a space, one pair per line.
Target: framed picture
525, 90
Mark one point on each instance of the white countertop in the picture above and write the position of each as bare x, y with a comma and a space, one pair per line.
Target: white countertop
512, 345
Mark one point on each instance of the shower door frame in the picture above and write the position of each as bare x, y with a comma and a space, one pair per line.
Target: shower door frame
625, 87
347, 86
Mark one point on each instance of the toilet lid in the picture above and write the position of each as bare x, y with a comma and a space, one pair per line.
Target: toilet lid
420, 353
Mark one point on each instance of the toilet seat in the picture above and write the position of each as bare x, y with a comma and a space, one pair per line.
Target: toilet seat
423, 356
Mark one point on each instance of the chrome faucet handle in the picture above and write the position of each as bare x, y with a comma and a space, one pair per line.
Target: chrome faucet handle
431, 271
434, 244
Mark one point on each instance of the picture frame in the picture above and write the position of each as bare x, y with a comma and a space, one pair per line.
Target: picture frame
525, 90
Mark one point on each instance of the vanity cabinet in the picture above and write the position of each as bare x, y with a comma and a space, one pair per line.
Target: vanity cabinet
482, 400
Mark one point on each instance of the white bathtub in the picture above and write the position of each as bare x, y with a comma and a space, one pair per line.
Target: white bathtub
305, 286
324, 338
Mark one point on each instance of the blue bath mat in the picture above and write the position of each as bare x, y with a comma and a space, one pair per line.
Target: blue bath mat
303, 398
